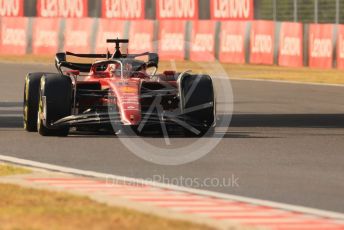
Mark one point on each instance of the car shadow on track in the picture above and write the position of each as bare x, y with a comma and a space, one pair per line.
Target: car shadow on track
14, 119
171, 135
11, 121
11, 115
288, 120
247, 121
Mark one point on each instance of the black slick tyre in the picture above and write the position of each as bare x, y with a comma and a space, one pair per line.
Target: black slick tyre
55, 102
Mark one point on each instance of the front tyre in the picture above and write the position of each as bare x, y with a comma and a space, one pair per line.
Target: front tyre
197, 101
55, 101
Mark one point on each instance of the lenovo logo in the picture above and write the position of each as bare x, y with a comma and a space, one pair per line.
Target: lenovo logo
172, 41
232, 43
62, 8
203, 43
126, 9
291, 46
341, 46
12, 36
77, 38
240, 9
177, 8
261, 43
320, 47
10, 8
140, 42
46, 38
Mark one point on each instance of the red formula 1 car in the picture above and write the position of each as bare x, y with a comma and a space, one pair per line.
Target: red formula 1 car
118, 92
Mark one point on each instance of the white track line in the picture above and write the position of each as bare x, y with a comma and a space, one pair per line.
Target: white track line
294, 208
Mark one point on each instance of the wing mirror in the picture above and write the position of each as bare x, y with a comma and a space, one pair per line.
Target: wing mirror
153, 60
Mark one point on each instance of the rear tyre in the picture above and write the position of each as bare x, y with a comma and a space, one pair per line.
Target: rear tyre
55, 102
30, 102
197, 100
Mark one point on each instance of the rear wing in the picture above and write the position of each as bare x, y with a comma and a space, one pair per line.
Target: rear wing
61, 60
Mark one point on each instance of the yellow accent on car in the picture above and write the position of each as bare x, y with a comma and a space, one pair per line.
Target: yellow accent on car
128, 89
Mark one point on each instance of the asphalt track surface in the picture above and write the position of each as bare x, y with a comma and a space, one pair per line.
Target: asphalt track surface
285, 143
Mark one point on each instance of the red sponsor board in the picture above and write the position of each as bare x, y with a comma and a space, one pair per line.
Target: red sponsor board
177, 9
340, 47
107, 29
172, 40
202, 47
13, 35
320, 45
141, 36
290, 45
77, 35
62, 8
123, 9
232, 42
11, 8
232, 9
45, 35
262, 42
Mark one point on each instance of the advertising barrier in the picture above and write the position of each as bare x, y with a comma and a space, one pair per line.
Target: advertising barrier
291, 45
108, 29
77, 36
340, 46
11, 8
62, 8
232, 42
262, 38
177, 9
45, 35
123, 9
320, 45
141, 36
232, 9
172, 39
13, 35
202, 47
